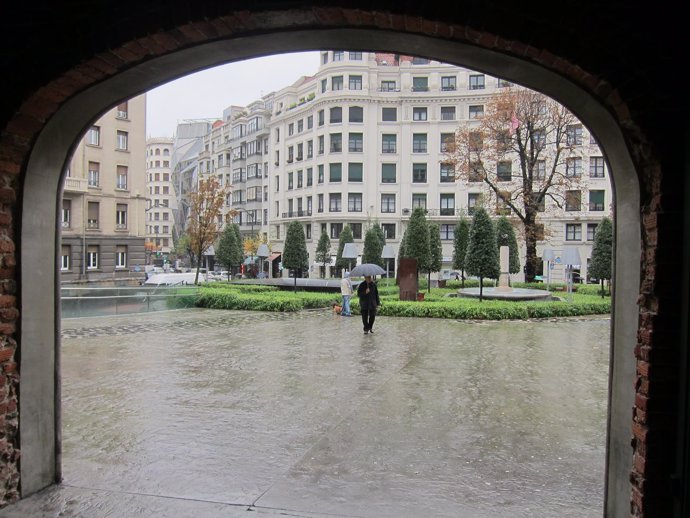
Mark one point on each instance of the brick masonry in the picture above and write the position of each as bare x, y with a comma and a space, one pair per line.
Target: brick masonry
653, 418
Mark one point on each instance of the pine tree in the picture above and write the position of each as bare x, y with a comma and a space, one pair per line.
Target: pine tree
602, 253
382, 238
505, 236
462, 238
295, 255
372, 248
345, 237
482, 254
323, 251
435, 251
226, 249
417, 241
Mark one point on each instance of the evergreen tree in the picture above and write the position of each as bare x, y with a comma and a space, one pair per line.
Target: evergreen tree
372, 248
602, 253
482, 254
462, 238
323, 251
417, 241
382, 238
402, 251
295, 255
435, 251
345, 237
226, 251
505, 236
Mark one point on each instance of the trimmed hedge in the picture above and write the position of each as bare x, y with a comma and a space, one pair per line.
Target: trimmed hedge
234, 297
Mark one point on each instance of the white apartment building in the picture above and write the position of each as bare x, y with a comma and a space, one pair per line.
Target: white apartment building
161, 199
104, 198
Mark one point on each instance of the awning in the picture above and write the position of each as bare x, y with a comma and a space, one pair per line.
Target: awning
274, 256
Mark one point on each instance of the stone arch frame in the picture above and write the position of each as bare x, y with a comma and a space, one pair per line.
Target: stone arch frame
51, 120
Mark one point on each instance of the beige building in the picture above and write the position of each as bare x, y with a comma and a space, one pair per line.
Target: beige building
104, 198
161, 200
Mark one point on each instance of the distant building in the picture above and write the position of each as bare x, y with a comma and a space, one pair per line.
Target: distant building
104, 199
161, 200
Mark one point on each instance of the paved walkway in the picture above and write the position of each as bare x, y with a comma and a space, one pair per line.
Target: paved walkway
206, 413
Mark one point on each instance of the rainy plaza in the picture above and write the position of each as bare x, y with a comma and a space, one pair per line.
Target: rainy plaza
211, 413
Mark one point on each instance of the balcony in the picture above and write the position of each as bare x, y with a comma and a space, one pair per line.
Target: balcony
297, 213
76, 184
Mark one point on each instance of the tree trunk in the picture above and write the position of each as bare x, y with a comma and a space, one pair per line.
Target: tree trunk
462, 279
295, 285
602, 288
198, 267
481, 288
531, 248
428, 283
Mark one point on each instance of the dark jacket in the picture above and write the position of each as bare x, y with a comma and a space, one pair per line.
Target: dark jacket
368, 300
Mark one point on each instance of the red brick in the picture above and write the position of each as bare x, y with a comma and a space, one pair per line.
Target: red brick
6, 353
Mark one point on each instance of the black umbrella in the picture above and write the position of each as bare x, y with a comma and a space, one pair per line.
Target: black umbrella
366, 270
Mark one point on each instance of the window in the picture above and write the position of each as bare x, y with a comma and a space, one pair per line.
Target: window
321, 144
300, 181
474, 200
447, 204
388, 86
65, 256
476, 141
389, 114
355, 56
310, 148
573, 201
320, 203
388, 143
321, 174
123, 112
356, 230
335, 203
324, 58
418, 173
573, 135
419, 142
476, 111
388, 230
447, 232
310, 177
335, 173
419, 114
336, 142
540, 201
420, 61
291, 129
92, 253
420, 84
476, 81
94, 174
596, 167
300, 151
573, 167
573, 232
447, 173
388, 203
336, 115
356, 114
502, 207
93, 212
355, 172
336, 229
591, 231
307, 229
338, 55
503, 83
504, 171
290, 181
355, 82
121, 216
66, 213
121, 181
503, 141
291, 154
321, 115
540, 170
447, 113
336, 83
277, 183
448, 83
354, 202
419, 201
93, 136
447, 140
355, 143
121, 256
309, 205
388, 173
310, 122
300, 126
596, 200
122, 140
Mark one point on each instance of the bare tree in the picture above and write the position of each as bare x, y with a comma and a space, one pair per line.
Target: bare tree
205, 218
524, 150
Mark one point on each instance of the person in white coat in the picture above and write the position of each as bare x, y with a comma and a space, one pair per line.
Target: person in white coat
346, 292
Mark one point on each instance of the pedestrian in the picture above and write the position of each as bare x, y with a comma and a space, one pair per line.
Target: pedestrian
369, 300
346, 292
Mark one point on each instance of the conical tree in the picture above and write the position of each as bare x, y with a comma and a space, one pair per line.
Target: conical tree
602, 253
435, 252
295, 255
482, 254
417, 241
345, 237
240, 245
505, 236
228, 252
461, 239
382, 238
372, 248
402, 253
323, 252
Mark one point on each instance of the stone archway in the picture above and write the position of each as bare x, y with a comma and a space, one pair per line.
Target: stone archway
151, 61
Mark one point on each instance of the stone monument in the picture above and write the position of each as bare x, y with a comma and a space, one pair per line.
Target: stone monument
504, 277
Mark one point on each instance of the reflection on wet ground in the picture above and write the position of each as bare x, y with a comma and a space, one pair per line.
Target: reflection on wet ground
214, 413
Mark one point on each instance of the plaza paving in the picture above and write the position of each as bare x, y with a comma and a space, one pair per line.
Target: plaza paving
206, 413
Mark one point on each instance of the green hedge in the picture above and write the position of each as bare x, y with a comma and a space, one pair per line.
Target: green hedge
230, 297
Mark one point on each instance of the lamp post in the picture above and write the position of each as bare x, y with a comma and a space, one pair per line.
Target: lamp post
548, 255
387, 253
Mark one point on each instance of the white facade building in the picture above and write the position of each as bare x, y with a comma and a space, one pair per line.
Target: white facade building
161, 197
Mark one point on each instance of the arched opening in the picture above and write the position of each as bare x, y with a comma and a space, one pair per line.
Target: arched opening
39, 412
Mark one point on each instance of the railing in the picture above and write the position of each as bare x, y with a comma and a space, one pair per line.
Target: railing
297, 213
99, 301
76, 184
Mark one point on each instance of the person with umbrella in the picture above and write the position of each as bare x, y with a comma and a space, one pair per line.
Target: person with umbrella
369, 300
346, 292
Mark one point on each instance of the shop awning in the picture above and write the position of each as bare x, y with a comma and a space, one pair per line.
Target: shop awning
274, 256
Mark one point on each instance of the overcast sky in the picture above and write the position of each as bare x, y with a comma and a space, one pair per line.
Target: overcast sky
206, 94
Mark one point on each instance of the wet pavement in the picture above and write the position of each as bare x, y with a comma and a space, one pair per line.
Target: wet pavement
205, 413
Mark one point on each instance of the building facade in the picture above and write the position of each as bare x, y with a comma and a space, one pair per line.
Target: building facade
104, 198
161, 200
